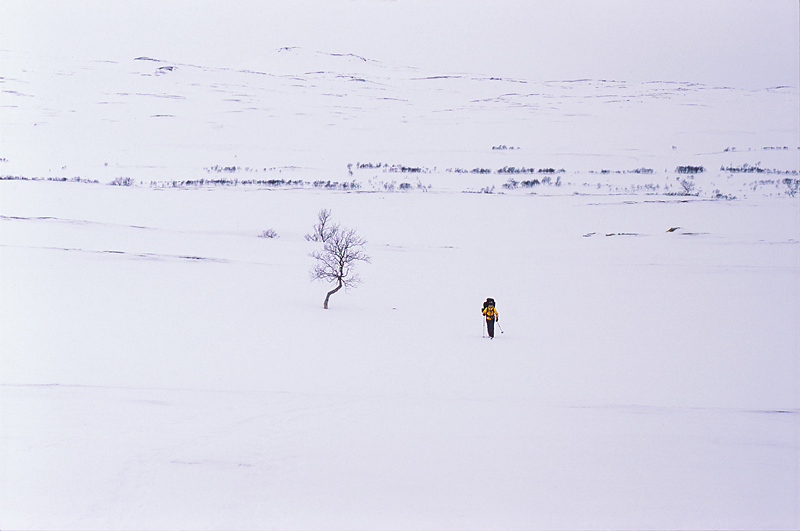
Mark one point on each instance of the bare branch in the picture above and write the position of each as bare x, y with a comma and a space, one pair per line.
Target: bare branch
324, 227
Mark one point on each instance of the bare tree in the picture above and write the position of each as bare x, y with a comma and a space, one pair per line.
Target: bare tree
792, 186
324, 227
336, 262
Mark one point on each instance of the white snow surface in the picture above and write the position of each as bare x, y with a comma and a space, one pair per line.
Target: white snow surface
164, 367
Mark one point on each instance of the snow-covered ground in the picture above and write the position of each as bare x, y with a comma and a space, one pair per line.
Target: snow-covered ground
164, 367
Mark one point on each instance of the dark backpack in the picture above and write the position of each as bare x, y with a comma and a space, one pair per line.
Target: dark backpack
487, 302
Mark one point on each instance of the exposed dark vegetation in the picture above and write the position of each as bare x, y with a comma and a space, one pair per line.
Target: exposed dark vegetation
512, 169
765, 148
335, 185
406, 169
756, 168
518, 177
688, 188
512, 183
226, 182
393, 168
637, 170
246, 169
401, 168
792, 186
690, 169
473, 170
223, 169
716, 194
53, 179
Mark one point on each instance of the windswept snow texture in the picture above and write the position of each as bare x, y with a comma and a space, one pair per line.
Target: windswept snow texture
151, 119
164, 367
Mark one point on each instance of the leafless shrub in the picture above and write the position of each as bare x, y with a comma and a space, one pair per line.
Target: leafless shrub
792, 186
122, 181
690, 169
688, 186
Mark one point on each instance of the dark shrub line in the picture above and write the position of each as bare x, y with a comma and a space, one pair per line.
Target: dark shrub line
747, 168
690, 169
52, 179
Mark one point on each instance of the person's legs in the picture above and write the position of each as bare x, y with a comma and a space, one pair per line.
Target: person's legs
490, 327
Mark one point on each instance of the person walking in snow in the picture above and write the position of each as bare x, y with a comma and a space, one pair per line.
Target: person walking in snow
491, 316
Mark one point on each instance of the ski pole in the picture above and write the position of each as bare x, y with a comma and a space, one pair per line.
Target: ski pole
498, 326
484, 327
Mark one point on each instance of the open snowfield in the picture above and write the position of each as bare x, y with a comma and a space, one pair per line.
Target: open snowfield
164, 367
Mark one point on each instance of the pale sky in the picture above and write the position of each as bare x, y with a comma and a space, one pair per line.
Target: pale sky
741, 43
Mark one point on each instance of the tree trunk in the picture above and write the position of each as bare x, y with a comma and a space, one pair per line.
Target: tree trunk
331, 292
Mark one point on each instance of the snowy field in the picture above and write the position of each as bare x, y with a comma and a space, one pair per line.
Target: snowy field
164, 367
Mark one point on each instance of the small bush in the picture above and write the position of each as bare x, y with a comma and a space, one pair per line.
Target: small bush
792, 186
269, 233
511, 184
690, 169
716, 194
122, 181
512, 169
335, 185
405, 169
222, 169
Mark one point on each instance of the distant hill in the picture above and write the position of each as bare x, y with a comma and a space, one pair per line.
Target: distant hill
320, 110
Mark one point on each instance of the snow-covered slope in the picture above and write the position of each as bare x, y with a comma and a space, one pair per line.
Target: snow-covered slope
152, 119
163, 367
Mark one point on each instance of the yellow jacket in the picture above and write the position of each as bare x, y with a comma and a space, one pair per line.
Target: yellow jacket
491, 313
